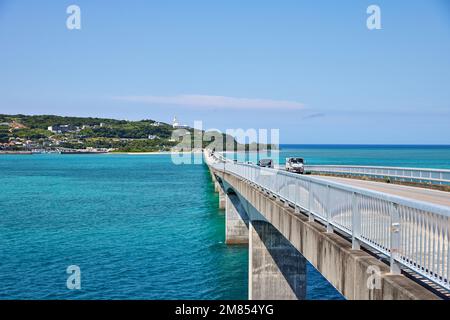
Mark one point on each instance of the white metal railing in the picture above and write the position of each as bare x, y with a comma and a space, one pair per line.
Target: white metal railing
434, 176
411, 233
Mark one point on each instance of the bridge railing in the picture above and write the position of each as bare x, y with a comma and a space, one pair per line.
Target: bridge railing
411, 233
433, 176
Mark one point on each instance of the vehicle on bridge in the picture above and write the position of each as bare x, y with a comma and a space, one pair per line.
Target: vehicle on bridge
265, 163
296, 165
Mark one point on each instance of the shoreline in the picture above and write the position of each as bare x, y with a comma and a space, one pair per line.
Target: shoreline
28, 153
104, 153
154, 153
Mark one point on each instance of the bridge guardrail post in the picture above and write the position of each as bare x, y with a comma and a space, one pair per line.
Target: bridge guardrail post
310, 202
224, 164
395, 241
288, 186
356, 222
328, 208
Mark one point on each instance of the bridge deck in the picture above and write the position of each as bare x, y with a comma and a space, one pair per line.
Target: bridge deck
422, 194
410, 225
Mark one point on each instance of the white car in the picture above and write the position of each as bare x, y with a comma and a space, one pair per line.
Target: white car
296, 165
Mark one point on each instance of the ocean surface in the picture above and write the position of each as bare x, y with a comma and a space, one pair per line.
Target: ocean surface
138, 226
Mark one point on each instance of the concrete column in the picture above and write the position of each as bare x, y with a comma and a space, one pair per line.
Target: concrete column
222, 197
216, 186
277, 271
236, 221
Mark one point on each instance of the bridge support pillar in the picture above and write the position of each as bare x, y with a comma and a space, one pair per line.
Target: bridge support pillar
277, 270
216, 186
236, 221
222, 198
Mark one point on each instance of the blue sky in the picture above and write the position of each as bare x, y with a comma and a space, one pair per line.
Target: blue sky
309, 68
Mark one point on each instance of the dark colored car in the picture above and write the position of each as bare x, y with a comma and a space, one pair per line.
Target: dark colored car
265, 163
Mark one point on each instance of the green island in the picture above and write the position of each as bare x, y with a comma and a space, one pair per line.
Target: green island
51, 133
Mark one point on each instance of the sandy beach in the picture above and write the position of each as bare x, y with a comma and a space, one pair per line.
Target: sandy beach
155, 153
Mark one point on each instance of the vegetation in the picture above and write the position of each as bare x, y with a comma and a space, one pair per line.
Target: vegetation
4, 133
32, 134
101, 133
44, 121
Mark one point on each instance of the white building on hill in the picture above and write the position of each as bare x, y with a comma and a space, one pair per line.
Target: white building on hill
177, 125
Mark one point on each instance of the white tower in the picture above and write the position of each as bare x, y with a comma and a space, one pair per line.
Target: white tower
175, 122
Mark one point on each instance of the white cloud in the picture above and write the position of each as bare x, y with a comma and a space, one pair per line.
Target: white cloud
214, 102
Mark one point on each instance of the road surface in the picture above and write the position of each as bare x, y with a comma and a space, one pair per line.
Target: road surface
422, 194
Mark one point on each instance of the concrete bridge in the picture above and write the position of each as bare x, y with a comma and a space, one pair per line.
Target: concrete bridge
369, 243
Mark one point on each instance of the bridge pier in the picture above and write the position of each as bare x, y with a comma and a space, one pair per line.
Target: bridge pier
218, 188
277, 270
222, 199
236, 221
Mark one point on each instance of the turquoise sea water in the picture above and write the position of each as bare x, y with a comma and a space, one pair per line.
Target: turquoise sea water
139, 227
